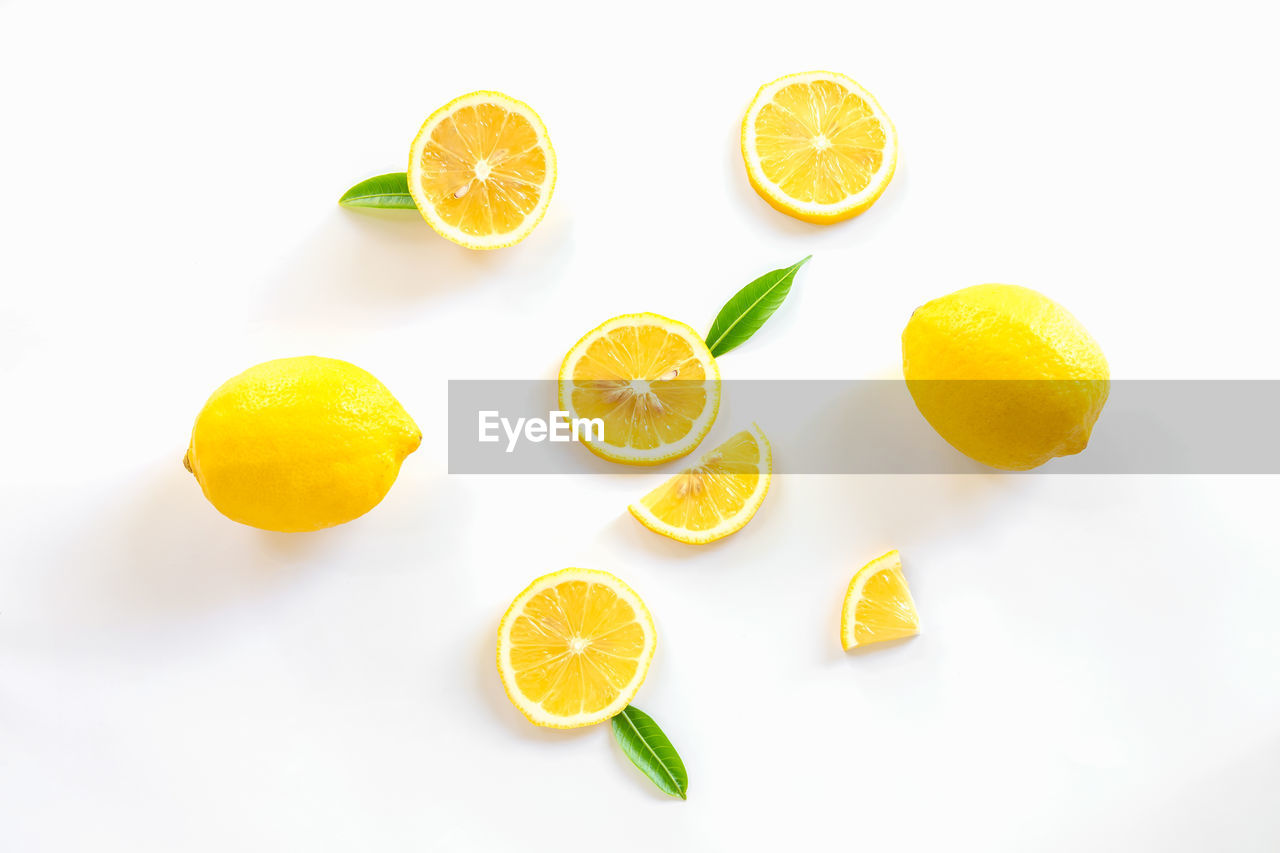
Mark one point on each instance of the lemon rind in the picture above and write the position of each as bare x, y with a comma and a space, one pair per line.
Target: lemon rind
810, 211
532, 710
444, 229
729, 526
666, 452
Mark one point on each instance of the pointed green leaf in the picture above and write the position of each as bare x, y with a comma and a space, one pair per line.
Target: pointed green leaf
386, 191
648, 748
744, 314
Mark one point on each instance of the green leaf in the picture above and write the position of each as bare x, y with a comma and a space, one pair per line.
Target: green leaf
744, 314
648, 748
385, 191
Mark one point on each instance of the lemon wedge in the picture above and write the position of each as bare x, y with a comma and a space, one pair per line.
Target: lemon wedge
878, 605
715, 497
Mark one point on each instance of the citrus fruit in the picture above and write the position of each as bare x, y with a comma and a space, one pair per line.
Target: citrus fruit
651, 380
482, 169
574, 648
1005, 375
818, 146
299, 444
878, 605
715, 497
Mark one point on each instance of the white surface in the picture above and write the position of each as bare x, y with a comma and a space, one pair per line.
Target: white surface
1098, 667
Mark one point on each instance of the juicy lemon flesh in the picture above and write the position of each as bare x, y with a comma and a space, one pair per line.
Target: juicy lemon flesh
647, 382
819, 142
885, 611
715, 489
482, 170
574, 647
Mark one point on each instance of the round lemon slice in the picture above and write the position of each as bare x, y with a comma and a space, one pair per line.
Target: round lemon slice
574, 648
715, 497
482, 169
652, 383
818, 146
878, 605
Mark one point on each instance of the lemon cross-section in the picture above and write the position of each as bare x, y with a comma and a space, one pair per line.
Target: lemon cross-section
818, 147
574, 648
878, 605
482, 170
715, 497
650, 380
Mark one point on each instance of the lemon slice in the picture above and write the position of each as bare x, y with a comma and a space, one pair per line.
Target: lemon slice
574, 647
714, 498
818, 147
650, 380
482, 169
878, 605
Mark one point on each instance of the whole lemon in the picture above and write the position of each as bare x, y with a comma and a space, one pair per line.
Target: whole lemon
299, 444
1034, 381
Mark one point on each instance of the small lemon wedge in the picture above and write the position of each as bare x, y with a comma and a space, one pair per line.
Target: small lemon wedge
878, 605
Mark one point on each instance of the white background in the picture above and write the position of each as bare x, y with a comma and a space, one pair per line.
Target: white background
1099, 656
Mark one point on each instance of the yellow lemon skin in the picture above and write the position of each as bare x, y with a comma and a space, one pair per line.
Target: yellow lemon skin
300, 444
1037, 381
